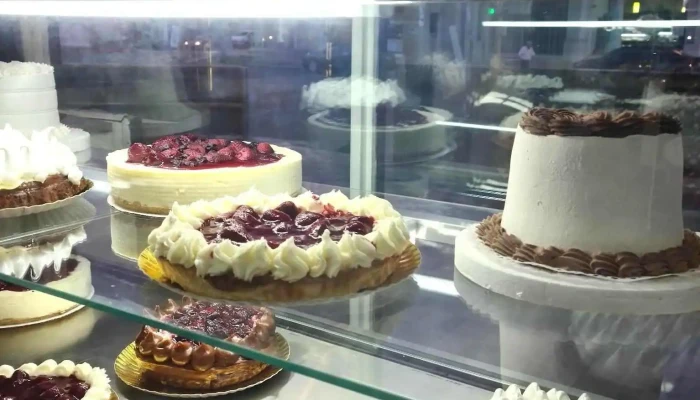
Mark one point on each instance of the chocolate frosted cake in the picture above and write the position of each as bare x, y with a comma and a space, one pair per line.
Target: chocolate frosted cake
181, 362
595, 193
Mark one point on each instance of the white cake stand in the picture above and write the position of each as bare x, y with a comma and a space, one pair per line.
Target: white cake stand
480, 264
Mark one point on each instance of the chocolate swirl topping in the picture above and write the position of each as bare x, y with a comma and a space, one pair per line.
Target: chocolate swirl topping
546, 121
622, 265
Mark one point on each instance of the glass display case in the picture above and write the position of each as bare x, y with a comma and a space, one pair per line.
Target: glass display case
356, 199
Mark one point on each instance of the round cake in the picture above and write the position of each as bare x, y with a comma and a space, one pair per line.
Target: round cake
187, 168
597, 194
281, 248
409, 131
28, 103
50, 380
36, 170
49, 263
178, 361
129, 233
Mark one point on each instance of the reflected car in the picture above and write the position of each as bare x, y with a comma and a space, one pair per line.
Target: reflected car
242, 40
340, 62
642, 59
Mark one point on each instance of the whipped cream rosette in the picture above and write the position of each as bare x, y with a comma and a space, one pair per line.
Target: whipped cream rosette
258, 247
532, 392
31, 381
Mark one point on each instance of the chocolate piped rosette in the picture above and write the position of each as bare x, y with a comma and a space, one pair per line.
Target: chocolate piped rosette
51, 380
36, 170
180, 362
256, 247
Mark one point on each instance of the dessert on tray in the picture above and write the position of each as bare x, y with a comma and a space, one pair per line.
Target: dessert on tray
597, 194
186, 168
36, 170
28, 103
532, 392
50, 380
177, 361
47, 262
259, 247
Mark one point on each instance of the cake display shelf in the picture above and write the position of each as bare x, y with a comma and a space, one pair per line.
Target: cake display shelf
666, 295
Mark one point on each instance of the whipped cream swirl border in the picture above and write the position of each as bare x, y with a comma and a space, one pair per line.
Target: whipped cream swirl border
179, 241
532, 392
95, 377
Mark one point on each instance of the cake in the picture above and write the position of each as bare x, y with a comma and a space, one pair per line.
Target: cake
259, 247
49, 263
596, 194
129, 233
186, 168
36, 170
28, 103
50, 380
532, 392
177, 361
410, 131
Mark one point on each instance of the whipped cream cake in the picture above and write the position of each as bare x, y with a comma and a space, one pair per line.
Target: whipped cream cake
595, 193
260, 247
36, 170
532, 392
51, 380
187, 168
49, 263
178, 361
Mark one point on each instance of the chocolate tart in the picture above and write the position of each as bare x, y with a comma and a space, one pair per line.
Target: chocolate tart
54, 188
180, 362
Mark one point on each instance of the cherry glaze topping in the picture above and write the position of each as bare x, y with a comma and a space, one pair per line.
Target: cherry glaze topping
284, 222
214, 319
194, 152
21, 386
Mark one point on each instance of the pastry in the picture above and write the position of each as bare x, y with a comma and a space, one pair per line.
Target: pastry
49, 380
186, 168
259, 247
28, 103
411, 131
532, 392
50, 263
597, 194
36, 170
181, 362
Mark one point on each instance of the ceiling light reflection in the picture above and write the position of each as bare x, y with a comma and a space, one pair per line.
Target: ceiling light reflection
594, 24
476, 126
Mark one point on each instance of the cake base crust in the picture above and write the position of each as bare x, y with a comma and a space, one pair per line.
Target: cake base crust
54, 188
623, 264
15, 321
138, 207
382, 272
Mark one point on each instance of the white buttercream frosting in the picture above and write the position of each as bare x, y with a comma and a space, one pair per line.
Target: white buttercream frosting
337, 93
532, 392
96, 378
179, 241
18, 68
30, 159
16, 260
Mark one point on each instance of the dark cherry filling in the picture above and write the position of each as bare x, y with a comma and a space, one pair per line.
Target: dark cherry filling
20, 386
194, 152
281, 223
385, 115
48, 274
214, 319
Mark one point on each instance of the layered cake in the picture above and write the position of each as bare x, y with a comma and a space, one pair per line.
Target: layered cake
532, 392
410, 130
259, 247
28, 103
36, 170
178, 361
50, 380
596, 194
50, 263
186, 168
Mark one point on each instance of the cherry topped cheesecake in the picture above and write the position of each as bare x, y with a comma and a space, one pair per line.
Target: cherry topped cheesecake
50, 380
149, 178
178, 361
280, 248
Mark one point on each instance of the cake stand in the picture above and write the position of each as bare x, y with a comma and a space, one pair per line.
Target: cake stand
668, 295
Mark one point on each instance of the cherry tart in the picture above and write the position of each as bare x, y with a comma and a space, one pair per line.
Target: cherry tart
182, 362
50, 380
281, 248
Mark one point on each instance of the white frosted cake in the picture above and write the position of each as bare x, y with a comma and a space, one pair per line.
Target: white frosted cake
28, 103
595, 193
